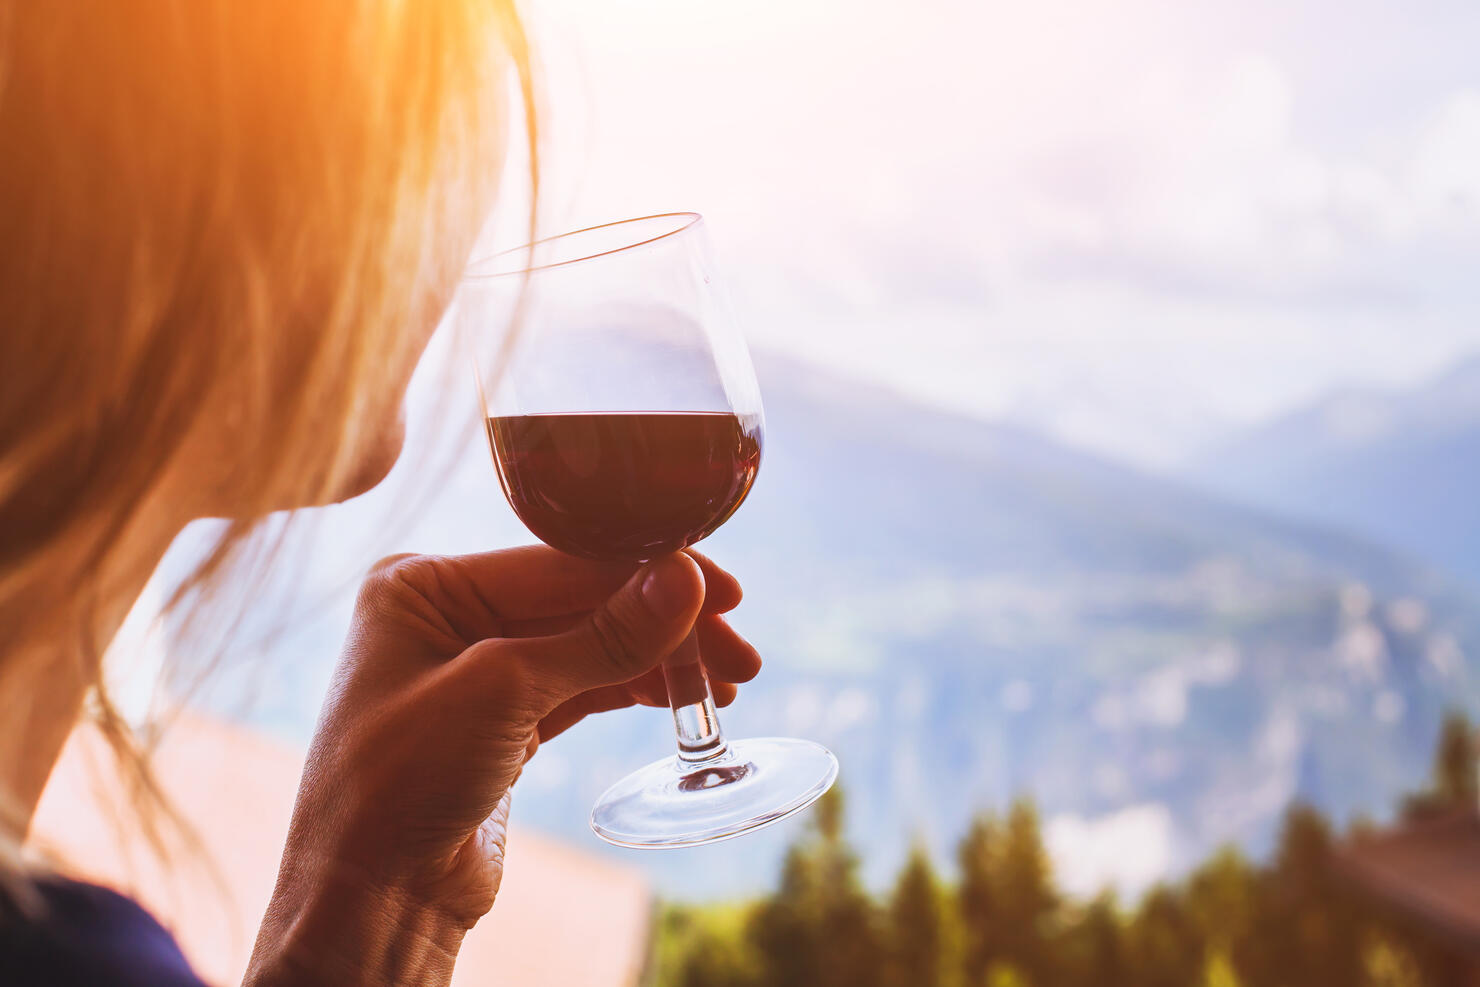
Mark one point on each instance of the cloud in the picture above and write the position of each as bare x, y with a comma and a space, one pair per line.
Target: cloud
1017, 696
1128, 850
1159, 698
1442, 174
1133, 225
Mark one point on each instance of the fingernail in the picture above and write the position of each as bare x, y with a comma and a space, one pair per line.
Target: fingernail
664, 590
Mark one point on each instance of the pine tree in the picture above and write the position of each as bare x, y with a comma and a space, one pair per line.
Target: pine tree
1454, 763
1005, 975
1306, 928
1165, 948
1453, 784
828, 815
1220, 898
1218, 971
1388, 964
1092, 947
715, 960
976, 901
820, 928
922, 928
1024, 881
1006, 900
784, 928
703, 947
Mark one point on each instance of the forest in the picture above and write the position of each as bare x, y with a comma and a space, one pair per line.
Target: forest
1001, 922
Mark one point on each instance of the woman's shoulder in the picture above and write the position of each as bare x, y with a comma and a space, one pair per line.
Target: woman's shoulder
85, 934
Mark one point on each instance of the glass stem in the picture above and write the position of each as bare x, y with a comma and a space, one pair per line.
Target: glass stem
694, 716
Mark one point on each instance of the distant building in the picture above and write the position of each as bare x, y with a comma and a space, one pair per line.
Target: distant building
563, 915
1424, 874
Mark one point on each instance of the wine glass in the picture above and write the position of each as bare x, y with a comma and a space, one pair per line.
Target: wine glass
625, 422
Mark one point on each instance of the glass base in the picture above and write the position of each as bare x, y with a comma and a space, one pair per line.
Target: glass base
674, 803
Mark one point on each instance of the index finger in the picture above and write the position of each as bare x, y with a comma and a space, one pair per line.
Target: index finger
534, 582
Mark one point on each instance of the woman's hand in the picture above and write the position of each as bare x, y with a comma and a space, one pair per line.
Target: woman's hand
455, 670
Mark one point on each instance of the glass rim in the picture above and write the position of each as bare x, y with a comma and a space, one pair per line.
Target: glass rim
471, 273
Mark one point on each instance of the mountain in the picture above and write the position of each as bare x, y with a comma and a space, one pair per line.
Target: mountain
1400, 467
965, 612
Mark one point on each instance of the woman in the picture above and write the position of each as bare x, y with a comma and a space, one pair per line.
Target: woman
229, 229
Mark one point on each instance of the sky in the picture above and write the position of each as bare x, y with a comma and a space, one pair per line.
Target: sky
1137, 225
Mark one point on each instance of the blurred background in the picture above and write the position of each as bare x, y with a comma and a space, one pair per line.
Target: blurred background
1122, 378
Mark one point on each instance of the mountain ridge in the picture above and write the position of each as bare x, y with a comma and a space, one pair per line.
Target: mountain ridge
1395, 466
967, 612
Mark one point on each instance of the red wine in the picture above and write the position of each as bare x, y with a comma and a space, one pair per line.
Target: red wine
629, 486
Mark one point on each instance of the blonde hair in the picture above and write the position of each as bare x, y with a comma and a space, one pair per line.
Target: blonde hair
210, 193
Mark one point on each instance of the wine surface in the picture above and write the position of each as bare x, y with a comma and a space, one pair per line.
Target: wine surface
625, 485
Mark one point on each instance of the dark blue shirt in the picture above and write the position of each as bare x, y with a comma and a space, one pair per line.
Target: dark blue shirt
87, 935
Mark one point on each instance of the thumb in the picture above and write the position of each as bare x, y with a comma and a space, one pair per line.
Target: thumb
637, 627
